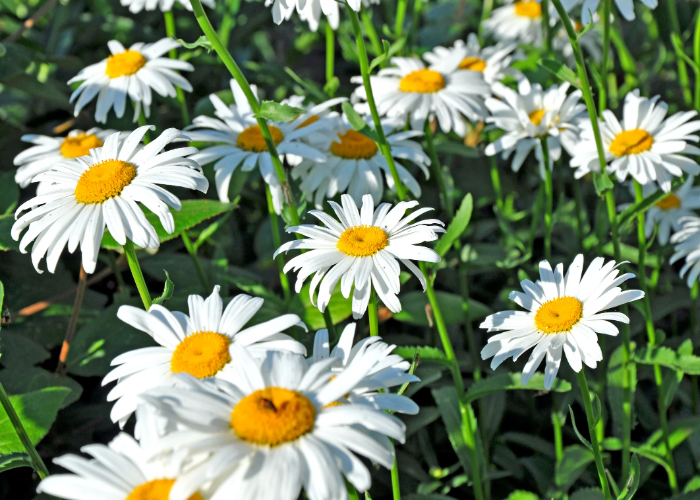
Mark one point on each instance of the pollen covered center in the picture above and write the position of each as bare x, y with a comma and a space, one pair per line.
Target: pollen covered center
79, 145
425, 81
362, 241
251, 139
536, 117
273, 416
158, 489
201, 354
558, 315
103, 181
473, 63
530, 9
630, 142
124, 64
669, 202
354, 145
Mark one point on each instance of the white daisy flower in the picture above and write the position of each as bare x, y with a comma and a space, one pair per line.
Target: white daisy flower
390, 369
356, 165
48, 151
120, 471
591, 41
687, 246
646, 145
276, 430
131, 73
563, 313
493, 62
520, 20
241, 144
198, 344
136, 6
362, 248
83, 195
626, 8
532, 113
440, 90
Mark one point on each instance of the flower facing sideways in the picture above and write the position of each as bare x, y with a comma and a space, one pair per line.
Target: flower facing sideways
687, 246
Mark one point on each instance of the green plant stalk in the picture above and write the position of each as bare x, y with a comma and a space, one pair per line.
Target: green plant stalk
276, 240
329, 323
195, 260
400, 18
486, 8
580, 211
330, 53
694, 293
682, 68
496, 181
373, 314
240, 78
558, 440
395, 486
37, 462
583, 384
437, 169
372, 34
352, 492
603, 91
170, 33
142, 123
73, 323
651, 335
546, 40
135, 268
364, 68
417, 7
696, 58
230, 9
549, 200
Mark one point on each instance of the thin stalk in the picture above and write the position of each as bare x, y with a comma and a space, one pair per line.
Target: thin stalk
603, 91
682, 68
329, 323
486, 8
73, 323
696, 57
417, 7
240, 78
583, 384
135, 268
496, 181
37, 462
549, 200
558, 440
580, 211
694, 293
395, 486
373, 314
437, 169
142, 123
195, 260
546, 41
372, 35
400, 18
170, 33
277, 241
330, 53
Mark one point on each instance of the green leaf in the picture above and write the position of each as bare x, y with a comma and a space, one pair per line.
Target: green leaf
6, 241
667, 357
389, 51
457, 226
9, 193
597, 410
692, 485
602, 183
561, 71
587, 494
339, 307
202, 41
456, 148
331, 86
425, 353
633, 482
358, 123
522, 495
630, 253
583, 440
14, 460
37, 411
625, 218
276, 112
168, 290
573, 463
413, 308
192, 213
426, 416
448, 404
510, 382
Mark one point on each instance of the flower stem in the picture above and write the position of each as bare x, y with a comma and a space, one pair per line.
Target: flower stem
230, 9
400, 18
682, 68
372, 34
557, 421
395, 486
142, 122
546, 41
603, 91
170, 33
195, 260
284, 281
437, 169
583, 384
73, 323
330, 53
496, 181
329, 323
486, 8
417, 7
580, 212
549, 195
694, 293
373, 314
135, 268
696, 57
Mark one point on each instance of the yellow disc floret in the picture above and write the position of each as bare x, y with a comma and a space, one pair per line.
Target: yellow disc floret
251, 139
559, 315
79, 145
158, 489
362, 241
354, 145
273, 416
103, 181
125, 63
630, 142
424, 81
530, 9
201, 354
473, 63
536, 117
669, 202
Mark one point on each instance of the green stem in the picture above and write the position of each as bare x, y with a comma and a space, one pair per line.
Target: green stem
546, 42
195, 260
373, 314
682, 68
437, 170
142, 123
558, 440
73, 323
400, 18
135, 268
330, 53
230, 9
580, 211
372, 35
496, 181
276, 239
696, 57
352, 492
395, 486
240, 78
170, 32
694, 293
329, 324
486, 8
603, 90
549, 200
417, 7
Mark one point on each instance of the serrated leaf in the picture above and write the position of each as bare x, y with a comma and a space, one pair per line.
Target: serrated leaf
583, 440
667, 357
457, 226
425, 353
511, 382
202, 41
168, 290
413, 308
602, 184
358, 123
573, 463
633, 482
561, 71
14, 460
276, 112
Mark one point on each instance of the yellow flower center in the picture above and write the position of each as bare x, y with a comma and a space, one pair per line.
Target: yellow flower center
578, 26
362, 241
558, 315
79, 145
273, 416
103, 181
201, 354
671, 201
630, 142
124, 64
530, 9
425, 81
536, 117
310, 120
354, 145
251, 139
158, 489
473, 63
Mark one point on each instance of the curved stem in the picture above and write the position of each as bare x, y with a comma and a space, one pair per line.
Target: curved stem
549, 197
372, 35
135, 268
603, 91
682, 68
373, 314
170, 33
496, 181
142, 122
73, 323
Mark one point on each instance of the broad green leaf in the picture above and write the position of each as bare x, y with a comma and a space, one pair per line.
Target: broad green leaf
510, 382
630, 213
276, 112
573, 463
14, 460
19, 351
168, 290
358, 123
413, 308
192, 213
6, 241
457, 226
587, 494
633, 482
692, 485
425, 353
630, 253
20, 380
448, 404
37, 411
426, 416
202, 41
522, 495
602, 184
667, 357
561, 71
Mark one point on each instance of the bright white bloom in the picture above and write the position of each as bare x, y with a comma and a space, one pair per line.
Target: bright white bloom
646, 145
626, 8
520, 20
390, 369
493, 62
120, 471
441, 90
198, 344
356, 165
687, 242
131, 73
564, 312
530, 114
241, 144
362, 248
278, 428
136, 6
83, 195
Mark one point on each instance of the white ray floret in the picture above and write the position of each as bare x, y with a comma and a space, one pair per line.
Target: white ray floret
687, 246
136, 6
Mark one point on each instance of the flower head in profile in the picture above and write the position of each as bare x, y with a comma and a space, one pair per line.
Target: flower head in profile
519, 20
136, 6
564, 312
441, 90
645, 145
130, 73
277, 429
362, 248
240, 143
687, 246
82, 196
198, 344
